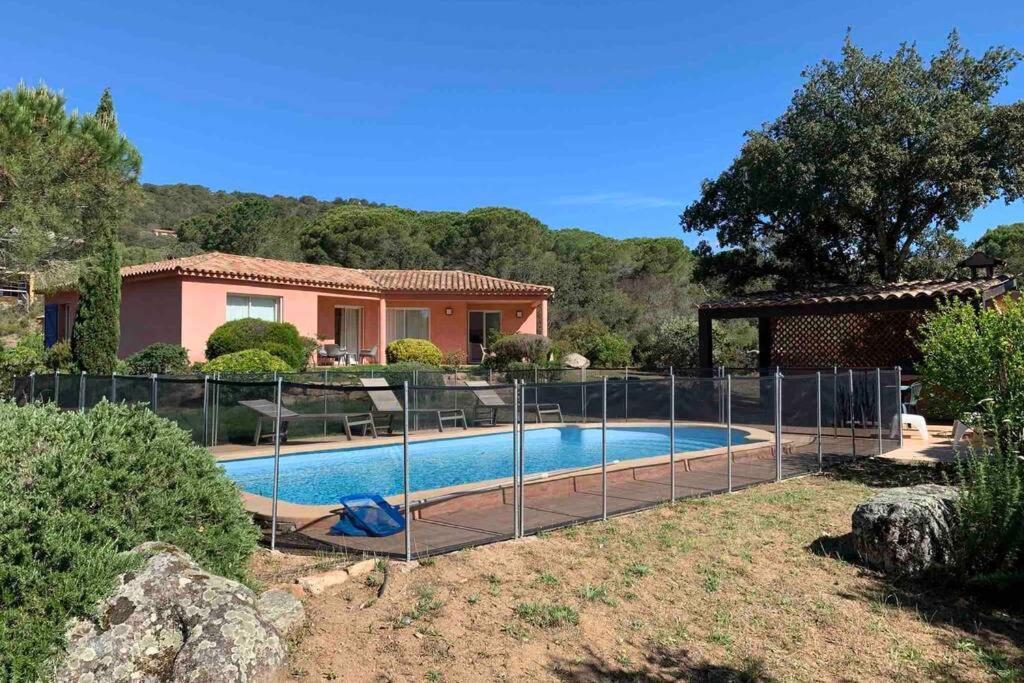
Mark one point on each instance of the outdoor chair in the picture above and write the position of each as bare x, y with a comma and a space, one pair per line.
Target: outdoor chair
332, 352
267, 410
491, 402
386, 403
909, 419
370, 353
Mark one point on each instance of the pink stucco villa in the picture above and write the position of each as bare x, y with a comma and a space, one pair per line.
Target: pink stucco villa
181, 301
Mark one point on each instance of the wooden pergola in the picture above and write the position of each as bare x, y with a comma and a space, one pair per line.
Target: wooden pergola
859, 326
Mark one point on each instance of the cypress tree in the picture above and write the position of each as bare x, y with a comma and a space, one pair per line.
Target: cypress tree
97, 329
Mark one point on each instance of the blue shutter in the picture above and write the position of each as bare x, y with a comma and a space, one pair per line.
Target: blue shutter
50, 325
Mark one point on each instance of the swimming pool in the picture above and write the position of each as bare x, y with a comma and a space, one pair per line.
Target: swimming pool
321, 477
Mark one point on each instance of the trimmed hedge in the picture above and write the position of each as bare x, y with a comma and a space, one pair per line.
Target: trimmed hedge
160, 358
279, 339
414, 351
77, 489
250, 360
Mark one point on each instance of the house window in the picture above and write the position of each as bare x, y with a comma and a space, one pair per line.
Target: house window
408, 322
261, 307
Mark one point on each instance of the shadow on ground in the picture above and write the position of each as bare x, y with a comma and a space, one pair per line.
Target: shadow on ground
883, 473
989, 614
661, 664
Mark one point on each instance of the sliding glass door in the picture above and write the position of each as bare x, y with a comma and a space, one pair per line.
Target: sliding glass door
346, 329
481, 324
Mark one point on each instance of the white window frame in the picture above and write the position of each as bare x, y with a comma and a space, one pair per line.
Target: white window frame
278, 304
387, 332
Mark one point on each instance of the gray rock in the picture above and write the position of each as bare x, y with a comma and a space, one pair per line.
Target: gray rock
283, 610
906, 531
575, 360
171, 621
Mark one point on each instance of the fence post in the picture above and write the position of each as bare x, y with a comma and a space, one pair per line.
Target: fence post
778, 424
405, 470
899, 402
878, 406
515, 459
56, 388
277, 467
583, 394
81, 392
626, 381
325, 402
853, 416
113, 387
32, 387
835, 402
604, 449
818, 413
206, 410
728, 429
672, 438
522, 457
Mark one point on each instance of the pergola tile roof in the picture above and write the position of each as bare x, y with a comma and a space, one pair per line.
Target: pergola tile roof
252, 268
899, 291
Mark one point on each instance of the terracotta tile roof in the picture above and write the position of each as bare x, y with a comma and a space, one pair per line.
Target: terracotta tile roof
451, 281
216, 264
232, 266
918, 289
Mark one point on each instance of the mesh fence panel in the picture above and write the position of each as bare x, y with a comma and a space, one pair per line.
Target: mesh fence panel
753, 415
182, 401
68, 391
561, 467
44, 388
22, 389
700, 420
891, 407
133, 389
97, 388
799, 413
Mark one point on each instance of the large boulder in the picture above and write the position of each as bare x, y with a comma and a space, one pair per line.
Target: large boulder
575, 360
171, 621
907, 531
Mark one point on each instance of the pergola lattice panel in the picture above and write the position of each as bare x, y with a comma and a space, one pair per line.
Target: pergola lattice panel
881, 339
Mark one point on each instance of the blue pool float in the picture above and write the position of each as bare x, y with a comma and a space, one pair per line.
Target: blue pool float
367, 514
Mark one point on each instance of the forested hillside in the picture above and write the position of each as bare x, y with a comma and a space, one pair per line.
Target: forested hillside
630, 286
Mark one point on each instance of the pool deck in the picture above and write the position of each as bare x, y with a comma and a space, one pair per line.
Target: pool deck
460, 516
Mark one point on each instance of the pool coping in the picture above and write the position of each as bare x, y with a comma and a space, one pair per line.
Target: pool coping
300, 515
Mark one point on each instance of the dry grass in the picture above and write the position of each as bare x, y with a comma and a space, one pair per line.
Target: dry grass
740, 587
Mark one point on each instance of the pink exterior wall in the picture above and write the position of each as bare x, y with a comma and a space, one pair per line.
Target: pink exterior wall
186, 310
451, 332
150, 313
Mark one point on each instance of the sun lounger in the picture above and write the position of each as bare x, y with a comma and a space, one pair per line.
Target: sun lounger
367, 514
386, 403
491, 402
267, 410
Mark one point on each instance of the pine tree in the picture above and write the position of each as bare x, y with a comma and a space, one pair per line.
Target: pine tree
105, 113
97, 329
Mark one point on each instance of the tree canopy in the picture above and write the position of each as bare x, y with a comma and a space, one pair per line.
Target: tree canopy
873, 158
1005, 242
63, 177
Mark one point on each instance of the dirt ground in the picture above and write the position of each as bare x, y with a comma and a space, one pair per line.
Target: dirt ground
750, 587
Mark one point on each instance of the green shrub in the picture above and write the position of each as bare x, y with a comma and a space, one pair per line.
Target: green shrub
990, 509
248, 361
279, 339
21, 359
58, 357
611, 351
518, 348
77, 489
593, 339
971, 355
159, 358
414, 351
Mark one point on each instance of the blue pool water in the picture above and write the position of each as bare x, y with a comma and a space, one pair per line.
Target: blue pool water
322, 477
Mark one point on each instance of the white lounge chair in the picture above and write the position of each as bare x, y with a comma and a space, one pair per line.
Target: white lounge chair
267, 410
491, 402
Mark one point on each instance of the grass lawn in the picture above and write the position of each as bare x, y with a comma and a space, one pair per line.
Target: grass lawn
750, 586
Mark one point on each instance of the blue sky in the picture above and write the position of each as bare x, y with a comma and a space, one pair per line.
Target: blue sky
601, 115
